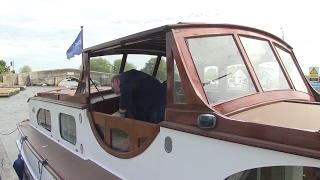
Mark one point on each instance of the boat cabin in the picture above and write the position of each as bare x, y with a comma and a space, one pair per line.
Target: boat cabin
224, 82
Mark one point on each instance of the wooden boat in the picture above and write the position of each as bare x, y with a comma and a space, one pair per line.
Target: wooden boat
238, 107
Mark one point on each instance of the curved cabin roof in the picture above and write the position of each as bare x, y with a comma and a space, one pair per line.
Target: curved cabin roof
154, 40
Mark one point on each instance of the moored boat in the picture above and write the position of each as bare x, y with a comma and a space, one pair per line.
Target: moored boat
238, 107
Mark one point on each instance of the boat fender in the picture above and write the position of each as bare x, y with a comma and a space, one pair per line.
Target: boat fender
18, 166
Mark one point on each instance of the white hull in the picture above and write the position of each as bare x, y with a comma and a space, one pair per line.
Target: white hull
192, 156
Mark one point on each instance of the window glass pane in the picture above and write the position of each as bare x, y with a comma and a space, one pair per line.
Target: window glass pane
220, 67
144, 63
68, 128
265, 64
277, 173
102, 68
179, 96
292, 70
44, 119
162, 70
119, 140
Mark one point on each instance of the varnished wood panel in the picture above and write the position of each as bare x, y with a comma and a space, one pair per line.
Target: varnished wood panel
134, 128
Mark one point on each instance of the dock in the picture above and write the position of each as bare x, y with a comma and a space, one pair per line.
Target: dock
7, 91
6, 170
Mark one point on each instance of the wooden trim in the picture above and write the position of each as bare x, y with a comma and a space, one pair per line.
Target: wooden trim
245, 102
85, 78
189, 78
286, 140
306, 82
283, 68
247, 63
170, 68
135, 129
61, 102
128, 51
185, 113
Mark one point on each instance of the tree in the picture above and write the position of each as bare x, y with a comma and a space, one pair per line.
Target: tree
100, 65
117, 65
25, 69
3, 67
210, 73
162, 70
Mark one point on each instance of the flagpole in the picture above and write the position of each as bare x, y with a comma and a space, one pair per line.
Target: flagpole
81, 37
86, 67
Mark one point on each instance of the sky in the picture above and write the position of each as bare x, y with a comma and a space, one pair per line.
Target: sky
39, 32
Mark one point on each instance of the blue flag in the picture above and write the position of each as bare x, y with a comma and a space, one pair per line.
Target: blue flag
76, 47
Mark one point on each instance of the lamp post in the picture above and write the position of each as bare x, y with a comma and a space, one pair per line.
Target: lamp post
12, 65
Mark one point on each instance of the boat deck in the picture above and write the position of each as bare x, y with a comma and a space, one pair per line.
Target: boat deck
294, 115
66, 164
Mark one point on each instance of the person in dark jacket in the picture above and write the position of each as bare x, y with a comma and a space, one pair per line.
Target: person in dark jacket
142, 96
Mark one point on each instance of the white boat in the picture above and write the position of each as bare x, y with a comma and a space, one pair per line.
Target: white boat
238, 107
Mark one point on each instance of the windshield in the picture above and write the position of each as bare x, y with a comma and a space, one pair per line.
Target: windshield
265, 64
292, 70
220, 68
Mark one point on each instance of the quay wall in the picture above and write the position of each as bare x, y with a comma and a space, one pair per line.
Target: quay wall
50, 77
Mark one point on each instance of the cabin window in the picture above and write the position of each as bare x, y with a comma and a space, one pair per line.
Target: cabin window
179, 96
220, 67
278, 173
265, 64
144, 63
119, 140
68, 128
44, 119
292, 70
102, 68
162, 70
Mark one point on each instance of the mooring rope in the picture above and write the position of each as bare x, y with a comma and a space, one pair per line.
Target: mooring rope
6, 134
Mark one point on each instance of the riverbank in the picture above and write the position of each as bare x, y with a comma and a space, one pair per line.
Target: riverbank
6, 92
6, 170
13, 110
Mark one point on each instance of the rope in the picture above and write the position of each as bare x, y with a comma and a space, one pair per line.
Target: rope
42, 163
6, 134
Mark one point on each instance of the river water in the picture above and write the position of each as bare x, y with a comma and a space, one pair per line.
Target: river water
13, 110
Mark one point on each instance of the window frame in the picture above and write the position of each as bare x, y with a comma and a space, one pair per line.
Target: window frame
278, 61
246, 63
295, 64
45, 119
60, 128
178, 49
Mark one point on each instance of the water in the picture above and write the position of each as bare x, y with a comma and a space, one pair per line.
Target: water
13, 110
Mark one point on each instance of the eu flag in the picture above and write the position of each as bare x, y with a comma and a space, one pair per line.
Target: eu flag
76, 47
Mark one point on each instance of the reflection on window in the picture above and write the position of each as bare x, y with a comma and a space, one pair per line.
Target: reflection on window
179, 96
68, 129
44, 119
278, 173
119, 140
221, 68
292, 70
144, 63
265, 64
162, 70
102, 68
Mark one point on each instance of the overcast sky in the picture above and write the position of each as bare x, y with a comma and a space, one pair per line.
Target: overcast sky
38, 32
